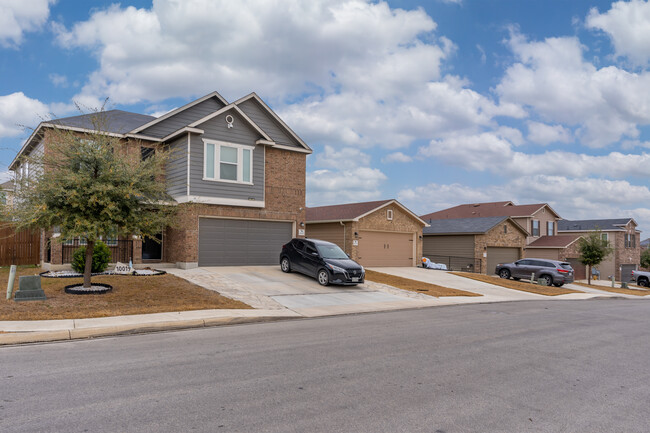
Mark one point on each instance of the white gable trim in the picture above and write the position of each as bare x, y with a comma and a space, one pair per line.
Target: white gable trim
228, 108
404, 208
178, 110
275, 116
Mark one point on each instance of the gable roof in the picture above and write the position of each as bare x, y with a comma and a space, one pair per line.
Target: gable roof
645, 243
165, 116
277, 118
559, 241
490, 209
238, 110
351, 211
613, 224
467, 226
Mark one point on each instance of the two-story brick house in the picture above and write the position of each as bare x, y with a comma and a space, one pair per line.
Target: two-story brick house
623, 237
236, 173
525, 224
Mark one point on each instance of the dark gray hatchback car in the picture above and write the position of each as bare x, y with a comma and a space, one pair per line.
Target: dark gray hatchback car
551, 271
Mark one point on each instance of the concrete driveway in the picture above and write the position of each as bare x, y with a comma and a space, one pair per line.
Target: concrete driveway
267, 287
490, 292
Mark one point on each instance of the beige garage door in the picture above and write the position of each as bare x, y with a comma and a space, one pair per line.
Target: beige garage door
496, 255
385, 249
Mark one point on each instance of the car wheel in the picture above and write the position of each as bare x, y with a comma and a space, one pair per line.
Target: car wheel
643, 282
504, 273
558, 284
547, 279
285, 265
323, 277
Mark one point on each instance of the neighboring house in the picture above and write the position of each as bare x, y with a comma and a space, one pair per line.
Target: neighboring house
622, 235
237, 174
560, 247
377, 233
7, 193
645, 244
474, 244
538, 219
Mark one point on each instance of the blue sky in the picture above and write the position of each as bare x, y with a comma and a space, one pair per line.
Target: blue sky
435, 102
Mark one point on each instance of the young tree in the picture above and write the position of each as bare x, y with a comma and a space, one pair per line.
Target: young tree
645, 258
593, 250
90, 185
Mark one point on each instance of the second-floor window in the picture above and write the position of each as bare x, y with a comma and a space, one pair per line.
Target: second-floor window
227, 162
550, 228
630, 240
535, 227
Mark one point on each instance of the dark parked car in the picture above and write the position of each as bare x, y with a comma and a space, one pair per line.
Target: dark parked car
322, 260
552, 271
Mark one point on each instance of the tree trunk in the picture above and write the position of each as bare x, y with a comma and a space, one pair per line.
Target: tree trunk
90, 247
588, 274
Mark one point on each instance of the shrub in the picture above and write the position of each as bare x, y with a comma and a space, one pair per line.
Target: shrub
101, 257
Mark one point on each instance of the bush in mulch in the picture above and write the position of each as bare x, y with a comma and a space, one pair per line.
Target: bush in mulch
94, 289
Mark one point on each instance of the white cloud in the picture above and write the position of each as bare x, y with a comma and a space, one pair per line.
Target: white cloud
19, 16
572, 198
396, 157
58, 80
553, 79
544, 134
330, 187
347, 158
490, 152
18, 111
628, 26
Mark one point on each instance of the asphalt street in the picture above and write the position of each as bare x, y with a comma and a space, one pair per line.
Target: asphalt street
560, 366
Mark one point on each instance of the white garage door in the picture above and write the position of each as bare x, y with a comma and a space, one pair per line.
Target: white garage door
224, 242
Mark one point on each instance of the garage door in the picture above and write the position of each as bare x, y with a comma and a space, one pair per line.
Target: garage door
385, 249
579, 270
224, 242
496, 255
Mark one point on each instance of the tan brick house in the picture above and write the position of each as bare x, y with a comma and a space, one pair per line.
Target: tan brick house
561, 247
237, 175
623, 237
474, 244
377, 233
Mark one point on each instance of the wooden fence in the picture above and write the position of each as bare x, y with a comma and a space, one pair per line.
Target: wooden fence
19, 248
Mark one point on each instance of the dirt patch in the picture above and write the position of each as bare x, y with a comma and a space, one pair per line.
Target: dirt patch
635, 292
130, 295
415, 286
517, 285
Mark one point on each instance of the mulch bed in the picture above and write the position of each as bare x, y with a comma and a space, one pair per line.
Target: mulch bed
415, 286
517, 285
130, 295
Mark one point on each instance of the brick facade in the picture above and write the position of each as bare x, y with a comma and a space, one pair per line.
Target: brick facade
495, 237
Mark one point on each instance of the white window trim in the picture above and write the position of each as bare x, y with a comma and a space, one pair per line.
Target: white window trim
389, 214
217, 161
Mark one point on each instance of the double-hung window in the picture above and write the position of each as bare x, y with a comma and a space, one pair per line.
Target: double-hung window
227, 162
550, 228
535, 227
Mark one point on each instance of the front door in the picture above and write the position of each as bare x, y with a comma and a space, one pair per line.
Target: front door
152, 250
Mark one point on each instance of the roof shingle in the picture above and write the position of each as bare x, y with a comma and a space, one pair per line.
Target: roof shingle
478, 210
341, 211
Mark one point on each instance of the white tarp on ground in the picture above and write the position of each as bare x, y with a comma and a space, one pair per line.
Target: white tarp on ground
426, 263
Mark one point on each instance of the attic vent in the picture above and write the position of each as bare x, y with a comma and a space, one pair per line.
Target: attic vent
389, 214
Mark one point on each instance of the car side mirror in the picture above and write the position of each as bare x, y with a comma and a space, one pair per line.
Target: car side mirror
315, 254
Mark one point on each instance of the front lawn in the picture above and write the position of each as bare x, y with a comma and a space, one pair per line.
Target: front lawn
130, 295
415, 286
518, 285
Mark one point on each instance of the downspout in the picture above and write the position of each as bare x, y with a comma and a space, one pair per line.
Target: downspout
344, 244
189, 138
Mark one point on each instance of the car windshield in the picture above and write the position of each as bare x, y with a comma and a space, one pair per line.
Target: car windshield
331, 252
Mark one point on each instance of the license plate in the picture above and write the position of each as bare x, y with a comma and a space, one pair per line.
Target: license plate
354, 279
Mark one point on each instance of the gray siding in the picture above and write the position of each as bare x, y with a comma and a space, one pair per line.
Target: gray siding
241, 133
454, 246
264, 120
176, 168
184, 118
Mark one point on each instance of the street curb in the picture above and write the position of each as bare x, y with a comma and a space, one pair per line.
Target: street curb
14, 338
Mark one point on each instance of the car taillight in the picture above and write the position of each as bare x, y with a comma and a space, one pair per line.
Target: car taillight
564, 271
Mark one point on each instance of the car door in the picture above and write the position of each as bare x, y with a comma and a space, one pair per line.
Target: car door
521, 269
296, 255
311, 259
